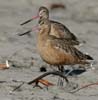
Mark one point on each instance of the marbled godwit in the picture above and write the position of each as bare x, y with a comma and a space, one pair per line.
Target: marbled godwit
57, 29
57, 51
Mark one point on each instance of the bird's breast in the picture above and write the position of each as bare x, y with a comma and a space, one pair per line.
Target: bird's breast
52, 55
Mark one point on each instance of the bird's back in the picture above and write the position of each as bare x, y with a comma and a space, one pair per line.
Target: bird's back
61, 31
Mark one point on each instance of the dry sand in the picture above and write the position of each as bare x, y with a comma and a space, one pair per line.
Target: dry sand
81, 16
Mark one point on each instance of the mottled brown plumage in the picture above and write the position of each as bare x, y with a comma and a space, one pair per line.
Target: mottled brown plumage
57, 29
57, 51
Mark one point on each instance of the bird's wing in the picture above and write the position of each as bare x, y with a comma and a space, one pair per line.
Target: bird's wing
66, 41
66, 47
64, 31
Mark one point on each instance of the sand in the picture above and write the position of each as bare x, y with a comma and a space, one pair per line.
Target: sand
80, 16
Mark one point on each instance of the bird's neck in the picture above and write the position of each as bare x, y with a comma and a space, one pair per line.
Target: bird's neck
44, 33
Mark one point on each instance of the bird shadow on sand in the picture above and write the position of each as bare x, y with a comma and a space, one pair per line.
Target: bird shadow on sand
75, 72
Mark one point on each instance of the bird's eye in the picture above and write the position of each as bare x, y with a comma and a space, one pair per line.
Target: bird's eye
43, 10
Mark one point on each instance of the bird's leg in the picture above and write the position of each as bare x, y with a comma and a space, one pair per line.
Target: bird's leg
69, 71
58, 83
60, 80
62, 71
59, 68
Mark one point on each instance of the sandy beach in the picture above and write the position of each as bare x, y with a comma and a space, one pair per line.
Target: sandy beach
80, 16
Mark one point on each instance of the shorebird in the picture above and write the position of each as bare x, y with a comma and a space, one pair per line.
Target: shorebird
57, 51
57, 29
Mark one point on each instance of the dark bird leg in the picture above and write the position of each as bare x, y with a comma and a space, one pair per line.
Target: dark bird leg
69, 72
61, 80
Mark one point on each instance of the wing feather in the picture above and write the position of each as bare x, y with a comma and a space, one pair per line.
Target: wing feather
67, 47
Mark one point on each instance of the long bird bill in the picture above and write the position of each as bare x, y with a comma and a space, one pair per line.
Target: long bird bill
28, 32
35, 17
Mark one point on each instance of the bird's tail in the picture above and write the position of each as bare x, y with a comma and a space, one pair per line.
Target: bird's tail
88, 57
